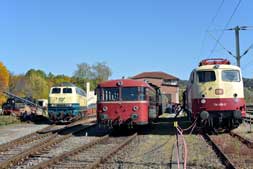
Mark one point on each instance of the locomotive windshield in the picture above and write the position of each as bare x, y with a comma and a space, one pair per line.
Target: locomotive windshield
231, 75
127, 94
56, 90
67, 90
109, 94
133, 93
206, 76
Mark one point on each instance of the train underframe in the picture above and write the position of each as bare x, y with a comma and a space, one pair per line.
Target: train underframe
117, 123
130, 121
220, 120
65, 116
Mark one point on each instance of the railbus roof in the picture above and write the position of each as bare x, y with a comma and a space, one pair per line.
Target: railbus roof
125, 83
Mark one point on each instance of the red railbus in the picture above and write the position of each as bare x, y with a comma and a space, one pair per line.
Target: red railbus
127, 102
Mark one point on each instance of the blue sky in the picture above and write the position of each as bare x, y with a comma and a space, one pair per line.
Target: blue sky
131, 36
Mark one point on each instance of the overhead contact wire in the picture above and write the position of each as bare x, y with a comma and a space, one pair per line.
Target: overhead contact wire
226, 25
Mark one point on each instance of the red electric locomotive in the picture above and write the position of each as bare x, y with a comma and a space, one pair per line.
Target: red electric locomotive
214, 94
127, 102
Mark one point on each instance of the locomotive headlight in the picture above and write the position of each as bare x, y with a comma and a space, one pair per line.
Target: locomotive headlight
120, 83
68, 105
53, 105
105, 108
204, 115
103, 116
203, 101
134, 116
135, 108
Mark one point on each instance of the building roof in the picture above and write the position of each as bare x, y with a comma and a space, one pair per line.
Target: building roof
155, 75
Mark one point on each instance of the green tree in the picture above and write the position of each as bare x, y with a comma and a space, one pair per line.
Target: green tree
40, 73
101, 71
248, 94
61, 78
84, 71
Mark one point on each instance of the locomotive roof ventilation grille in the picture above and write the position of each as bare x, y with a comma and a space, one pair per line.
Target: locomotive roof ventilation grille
214, 61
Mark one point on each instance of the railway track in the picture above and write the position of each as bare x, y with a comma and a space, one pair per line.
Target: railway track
89, 155
17, 151
231, 151
46, 132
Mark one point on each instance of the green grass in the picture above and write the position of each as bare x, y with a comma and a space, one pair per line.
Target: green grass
7, 120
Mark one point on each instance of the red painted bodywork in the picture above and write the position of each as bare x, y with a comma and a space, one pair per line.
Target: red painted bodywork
122, 111
219, 104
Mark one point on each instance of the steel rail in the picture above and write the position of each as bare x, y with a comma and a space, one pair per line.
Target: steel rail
223, 157
52, 140
56, 159
82, 148
45, 132
245, 141
25, 139
109, 154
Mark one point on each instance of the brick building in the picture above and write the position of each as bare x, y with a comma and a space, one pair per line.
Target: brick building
168, 84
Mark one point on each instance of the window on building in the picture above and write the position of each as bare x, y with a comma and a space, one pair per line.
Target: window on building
171, 82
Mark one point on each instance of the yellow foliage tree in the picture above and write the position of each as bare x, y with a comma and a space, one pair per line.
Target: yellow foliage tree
4, 81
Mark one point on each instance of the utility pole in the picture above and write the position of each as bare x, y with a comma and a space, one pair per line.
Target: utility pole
237, 45
238, 56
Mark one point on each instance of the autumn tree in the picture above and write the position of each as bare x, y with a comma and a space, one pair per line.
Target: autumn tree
4, 81
38, 86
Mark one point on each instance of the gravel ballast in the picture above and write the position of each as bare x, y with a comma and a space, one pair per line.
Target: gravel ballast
147, 151
12, 132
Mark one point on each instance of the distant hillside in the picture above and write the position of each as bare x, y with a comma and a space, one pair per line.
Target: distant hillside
248, 82
182, 83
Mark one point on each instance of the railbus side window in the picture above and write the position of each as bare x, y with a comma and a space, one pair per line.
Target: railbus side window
141, 93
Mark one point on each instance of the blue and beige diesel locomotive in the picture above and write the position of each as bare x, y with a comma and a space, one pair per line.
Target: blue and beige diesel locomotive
66, 103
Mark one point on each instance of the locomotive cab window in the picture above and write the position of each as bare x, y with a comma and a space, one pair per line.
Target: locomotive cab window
67, 90
206, 76
56, 90
231, 75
